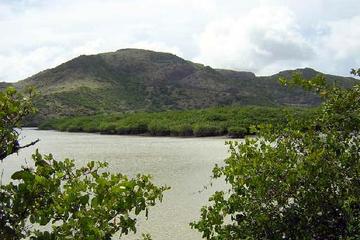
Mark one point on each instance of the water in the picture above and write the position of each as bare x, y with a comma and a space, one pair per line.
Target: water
183, 163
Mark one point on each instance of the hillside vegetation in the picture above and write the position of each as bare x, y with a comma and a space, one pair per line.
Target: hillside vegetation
141, 80
231, 121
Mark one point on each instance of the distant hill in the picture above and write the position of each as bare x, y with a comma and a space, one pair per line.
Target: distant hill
4, 85
143, 80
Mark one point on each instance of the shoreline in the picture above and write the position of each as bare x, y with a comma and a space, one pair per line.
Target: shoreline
142, 134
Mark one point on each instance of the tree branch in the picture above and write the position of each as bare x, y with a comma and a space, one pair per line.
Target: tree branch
16, 147
28, 145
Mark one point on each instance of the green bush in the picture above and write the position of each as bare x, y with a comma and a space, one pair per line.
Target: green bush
132, 128
74, 128
237, 132
107, 127
216, 117
182, 130
138, 128
157, 128
296, 182
205, 130
178, 123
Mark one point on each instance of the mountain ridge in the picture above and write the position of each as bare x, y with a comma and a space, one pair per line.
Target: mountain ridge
144, 80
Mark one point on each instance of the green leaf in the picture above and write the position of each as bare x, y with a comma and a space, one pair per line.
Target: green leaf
25, 175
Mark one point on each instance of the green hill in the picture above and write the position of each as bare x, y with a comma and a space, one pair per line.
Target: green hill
140, 80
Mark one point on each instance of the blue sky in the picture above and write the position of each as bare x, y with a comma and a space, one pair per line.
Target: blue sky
263, 36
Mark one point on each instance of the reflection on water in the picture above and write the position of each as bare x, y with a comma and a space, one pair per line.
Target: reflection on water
183, 163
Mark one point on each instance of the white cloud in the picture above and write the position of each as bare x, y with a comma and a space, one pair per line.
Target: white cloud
338, 47
271, 38
71, 28
343, 39
265, 36
157, 46
261, 35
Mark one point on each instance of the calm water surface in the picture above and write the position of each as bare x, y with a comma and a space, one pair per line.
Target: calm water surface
183, 163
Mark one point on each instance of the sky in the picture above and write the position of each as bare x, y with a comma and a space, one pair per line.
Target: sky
262, 36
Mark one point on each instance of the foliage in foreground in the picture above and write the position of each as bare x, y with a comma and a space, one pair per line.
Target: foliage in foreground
56, 200
231, 121
13, 108
83, 203
300, 182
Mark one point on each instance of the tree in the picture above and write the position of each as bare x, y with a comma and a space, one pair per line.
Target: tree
298, 182
65, 202
13, 108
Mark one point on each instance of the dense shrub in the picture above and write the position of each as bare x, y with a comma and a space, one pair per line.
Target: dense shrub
132, 128
296, 182
107, 127
157, 128
182, 130
179, 123
216, 117
237, 132
205, 130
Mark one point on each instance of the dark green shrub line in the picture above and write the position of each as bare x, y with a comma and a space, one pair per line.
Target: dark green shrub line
234, 122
